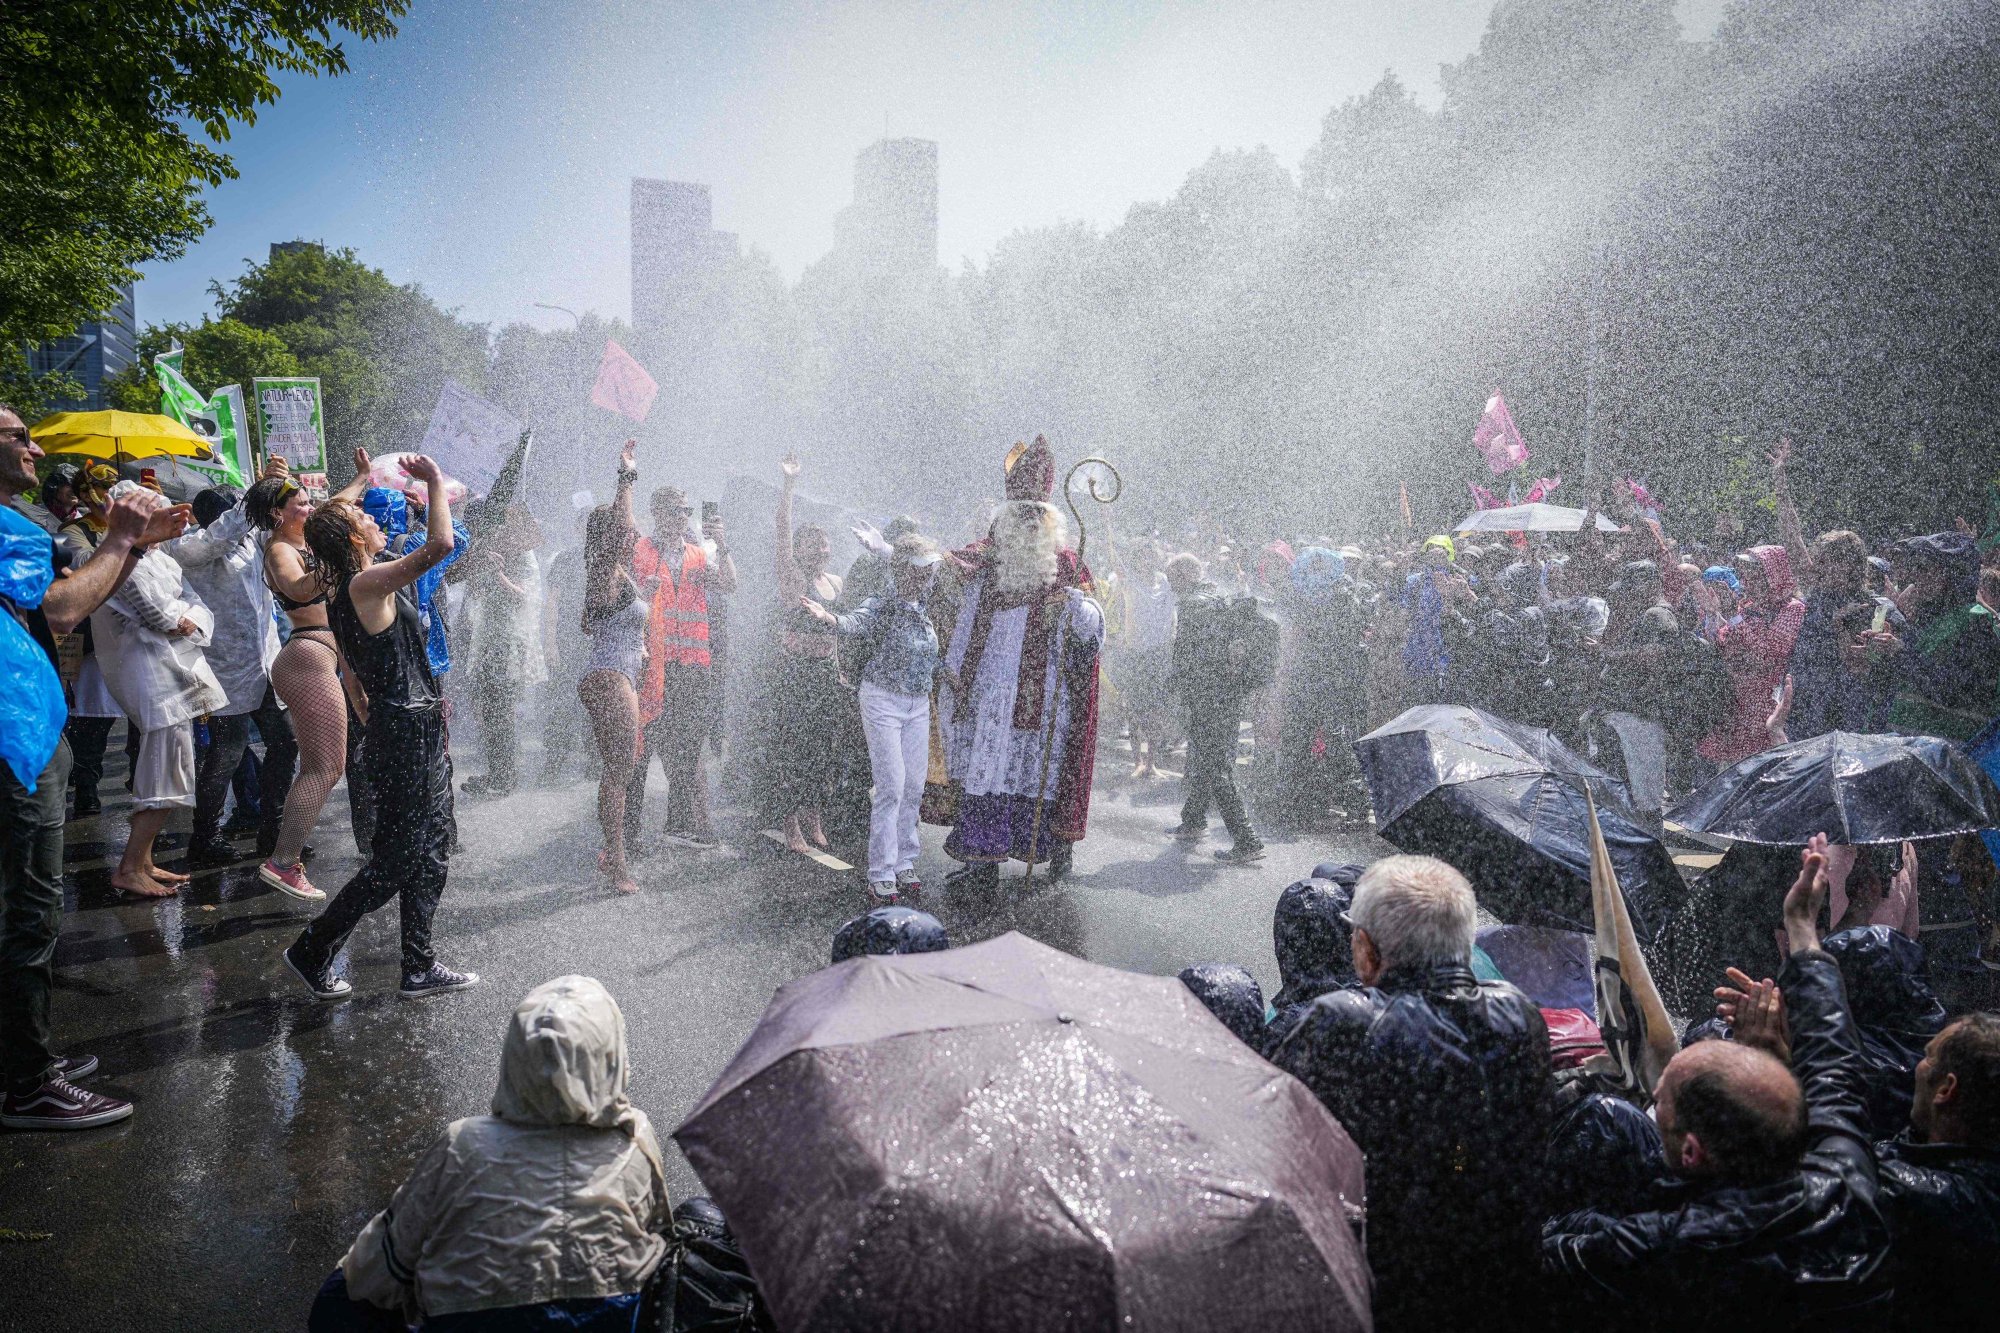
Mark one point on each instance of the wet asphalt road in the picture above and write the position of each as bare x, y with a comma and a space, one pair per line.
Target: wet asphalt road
269, 1127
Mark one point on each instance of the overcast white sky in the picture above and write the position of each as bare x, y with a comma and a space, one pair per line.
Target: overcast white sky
487, 152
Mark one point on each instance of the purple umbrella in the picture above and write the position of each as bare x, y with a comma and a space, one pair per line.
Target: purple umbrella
1004, 1137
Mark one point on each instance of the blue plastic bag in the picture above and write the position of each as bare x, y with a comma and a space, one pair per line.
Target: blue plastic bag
32, 711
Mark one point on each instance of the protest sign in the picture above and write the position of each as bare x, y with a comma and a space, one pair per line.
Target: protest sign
470, 437
623, 386
217, 419
290, 421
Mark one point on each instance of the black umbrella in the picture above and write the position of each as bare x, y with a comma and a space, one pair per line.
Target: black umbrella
1853, 788
1004, 1137
1504, 803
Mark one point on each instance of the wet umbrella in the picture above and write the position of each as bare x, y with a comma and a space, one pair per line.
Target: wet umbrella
1853, 788
1537, 517
1504, 803
1004, 1137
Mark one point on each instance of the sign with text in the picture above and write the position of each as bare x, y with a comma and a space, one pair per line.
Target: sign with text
291, 422
470, 438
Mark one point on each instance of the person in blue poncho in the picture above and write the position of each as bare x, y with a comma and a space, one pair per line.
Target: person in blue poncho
391, 511
37, 1087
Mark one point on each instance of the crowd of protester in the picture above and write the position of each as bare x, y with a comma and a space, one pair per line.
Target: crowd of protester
1825, 1150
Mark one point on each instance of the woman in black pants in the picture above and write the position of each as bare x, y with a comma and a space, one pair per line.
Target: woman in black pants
374, 617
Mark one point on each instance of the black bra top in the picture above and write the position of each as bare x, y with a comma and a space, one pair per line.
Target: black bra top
278, 595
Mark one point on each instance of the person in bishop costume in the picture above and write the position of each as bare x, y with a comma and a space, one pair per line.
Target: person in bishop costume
1018, 707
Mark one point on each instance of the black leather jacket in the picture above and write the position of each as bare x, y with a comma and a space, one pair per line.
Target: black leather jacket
1943, 1202
1805, 1251
1444, 1082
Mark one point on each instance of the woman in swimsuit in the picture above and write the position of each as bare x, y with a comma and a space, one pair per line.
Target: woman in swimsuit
615, 611
306, 671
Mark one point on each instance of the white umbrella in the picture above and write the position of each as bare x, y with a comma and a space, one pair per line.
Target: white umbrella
1531, 518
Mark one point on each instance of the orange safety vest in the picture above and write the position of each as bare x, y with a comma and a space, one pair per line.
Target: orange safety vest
677, 631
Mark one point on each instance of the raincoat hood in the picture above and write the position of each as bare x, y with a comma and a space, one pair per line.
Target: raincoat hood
1312, 937
1777, 567
388, 508
888, 930
1232, 995
564, 1059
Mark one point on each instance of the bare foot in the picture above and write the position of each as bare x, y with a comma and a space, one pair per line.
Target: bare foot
794, 839
140, 884
816, 835
624, 883
164, 875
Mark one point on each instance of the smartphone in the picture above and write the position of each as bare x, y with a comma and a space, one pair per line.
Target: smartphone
710, 511
1881, 621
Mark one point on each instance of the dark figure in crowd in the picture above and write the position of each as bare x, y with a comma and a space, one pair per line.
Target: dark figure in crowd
36, 605
1941, 1181
1444, 1082
1513, 649
1604, 1152
1205, 676
1776, 1219
1896, 1012
887, 930
1314, 941
1325, 689
1947, 662
1233, 996
373, 614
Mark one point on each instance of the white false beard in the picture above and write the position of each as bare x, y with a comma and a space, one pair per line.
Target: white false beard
1026, 555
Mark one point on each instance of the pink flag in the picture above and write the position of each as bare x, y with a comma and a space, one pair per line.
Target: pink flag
1496, 439
1543, 488
1481, 497
623, 386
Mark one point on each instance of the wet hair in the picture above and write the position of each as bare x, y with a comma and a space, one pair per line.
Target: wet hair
806, 532
1417, 910
607, 547
1846, 551
333, 534
213, 503
1746, 1141
1183, 567
263, 500
1970, 1050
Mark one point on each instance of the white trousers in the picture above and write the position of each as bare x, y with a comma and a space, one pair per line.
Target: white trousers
898, 727
164, 776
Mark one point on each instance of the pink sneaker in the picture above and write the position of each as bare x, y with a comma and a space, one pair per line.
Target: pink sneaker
292, 882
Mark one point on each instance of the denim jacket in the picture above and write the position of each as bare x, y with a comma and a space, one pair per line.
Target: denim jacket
903, 644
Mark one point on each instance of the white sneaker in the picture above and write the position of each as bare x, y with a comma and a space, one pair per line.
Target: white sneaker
907, 880
884, 891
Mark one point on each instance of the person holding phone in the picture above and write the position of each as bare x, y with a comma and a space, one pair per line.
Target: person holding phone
374, 618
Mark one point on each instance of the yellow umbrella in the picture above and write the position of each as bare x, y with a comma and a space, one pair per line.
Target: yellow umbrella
118, 435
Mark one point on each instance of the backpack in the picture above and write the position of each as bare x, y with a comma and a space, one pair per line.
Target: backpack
1223, 622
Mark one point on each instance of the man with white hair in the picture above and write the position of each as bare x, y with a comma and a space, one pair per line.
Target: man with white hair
1444, 1081
1018, 711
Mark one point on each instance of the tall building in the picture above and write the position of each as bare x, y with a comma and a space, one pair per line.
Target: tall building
94, 355
674, 242
892, 225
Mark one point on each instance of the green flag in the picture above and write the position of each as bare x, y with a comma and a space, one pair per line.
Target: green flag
217, 419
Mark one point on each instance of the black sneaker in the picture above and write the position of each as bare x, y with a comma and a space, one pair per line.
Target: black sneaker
417, 985
60, 1104
209, 853
86, 805
323, 983
1242, 854
74, 1067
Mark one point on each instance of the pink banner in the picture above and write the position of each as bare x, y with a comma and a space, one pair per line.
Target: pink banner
623, 386
1496, 438
1481, 497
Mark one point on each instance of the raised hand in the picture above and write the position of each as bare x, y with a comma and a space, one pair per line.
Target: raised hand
361, 461
1780, 456
276, 466
422, 467
789, 465
1755, 1012
628, 456
1806, 896
1781, 712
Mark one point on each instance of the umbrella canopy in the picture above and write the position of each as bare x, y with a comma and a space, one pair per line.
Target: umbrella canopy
1853, 788
1504, 803
1537, 517
118, 435
1004, 1137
